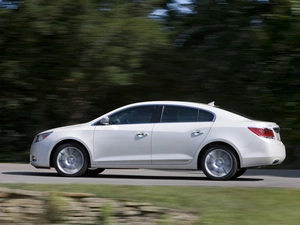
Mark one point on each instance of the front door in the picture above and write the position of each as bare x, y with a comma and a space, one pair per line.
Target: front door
127, 138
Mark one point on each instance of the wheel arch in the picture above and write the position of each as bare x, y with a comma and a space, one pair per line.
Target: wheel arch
68, 141
217, 143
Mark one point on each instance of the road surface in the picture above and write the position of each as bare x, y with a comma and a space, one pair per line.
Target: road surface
25, 173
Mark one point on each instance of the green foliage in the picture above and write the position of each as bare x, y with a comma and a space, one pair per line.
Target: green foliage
107, 215
60, 59
55, 209
64, 62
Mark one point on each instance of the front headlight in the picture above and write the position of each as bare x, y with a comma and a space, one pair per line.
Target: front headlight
41, 137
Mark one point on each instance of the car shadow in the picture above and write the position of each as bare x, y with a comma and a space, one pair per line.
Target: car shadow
113, 176
167, 177
35, 174
274, 173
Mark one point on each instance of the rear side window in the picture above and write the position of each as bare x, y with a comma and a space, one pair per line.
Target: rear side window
205, 116
180, 114
173, 114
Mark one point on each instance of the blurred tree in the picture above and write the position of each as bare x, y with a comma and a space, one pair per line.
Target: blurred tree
242, 54
60, 58
64, 62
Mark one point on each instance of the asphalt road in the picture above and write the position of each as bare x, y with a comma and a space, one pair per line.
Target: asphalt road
25, 173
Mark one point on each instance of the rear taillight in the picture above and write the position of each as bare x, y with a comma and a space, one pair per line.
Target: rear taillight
263, 132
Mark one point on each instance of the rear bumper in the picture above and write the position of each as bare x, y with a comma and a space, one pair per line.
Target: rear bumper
263, 152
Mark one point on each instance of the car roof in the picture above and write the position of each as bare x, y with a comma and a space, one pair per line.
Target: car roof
183, 103
222, 115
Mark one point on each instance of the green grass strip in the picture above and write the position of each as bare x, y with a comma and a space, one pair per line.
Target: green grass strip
214, 205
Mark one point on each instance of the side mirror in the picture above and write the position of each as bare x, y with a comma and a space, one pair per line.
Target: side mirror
104, 121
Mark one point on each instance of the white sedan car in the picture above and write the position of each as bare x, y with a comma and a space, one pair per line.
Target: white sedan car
161, 135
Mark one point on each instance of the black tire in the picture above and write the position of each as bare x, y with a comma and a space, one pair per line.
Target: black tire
70, 160
94, 171
239, 172
219, 163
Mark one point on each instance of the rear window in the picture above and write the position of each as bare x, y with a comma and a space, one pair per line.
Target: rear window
237, 113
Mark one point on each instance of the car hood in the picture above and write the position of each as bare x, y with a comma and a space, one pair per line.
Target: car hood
64, 127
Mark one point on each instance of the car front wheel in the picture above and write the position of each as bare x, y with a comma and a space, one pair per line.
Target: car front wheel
94, 171
71, 160
219, 163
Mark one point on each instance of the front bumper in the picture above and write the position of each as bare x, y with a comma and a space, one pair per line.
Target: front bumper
40, 154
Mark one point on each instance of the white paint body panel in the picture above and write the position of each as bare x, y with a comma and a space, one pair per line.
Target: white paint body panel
164, 145
121, 144
177, 143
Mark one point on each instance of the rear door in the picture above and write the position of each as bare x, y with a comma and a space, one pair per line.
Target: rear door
177, 137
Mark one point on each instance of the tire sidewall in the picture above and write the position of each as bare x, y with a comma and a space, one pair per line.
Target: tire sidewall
239, 172
85, 160
94, 171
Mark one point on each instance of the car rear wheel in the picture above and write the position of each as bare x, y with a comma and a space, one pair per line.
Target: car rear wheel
71, 160
219, 163
239, 172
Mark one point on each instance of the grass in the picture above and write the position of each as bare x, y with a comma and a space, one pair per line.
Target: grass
215, 205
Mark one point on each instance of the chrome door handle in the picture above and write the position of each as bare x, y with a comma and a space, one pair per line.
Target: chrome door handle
197, 132
142, 134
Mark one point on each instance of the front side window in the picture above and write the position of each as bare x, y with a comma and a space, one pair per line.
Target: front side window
134, 115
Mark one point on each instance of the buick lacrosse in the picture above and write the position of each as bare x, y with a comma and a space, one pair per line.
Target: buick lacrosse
161, 135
